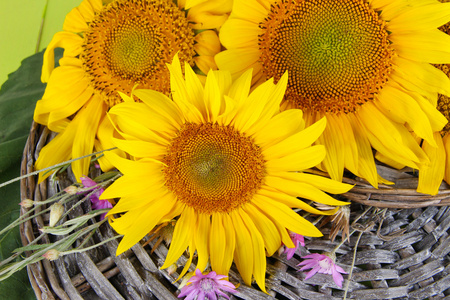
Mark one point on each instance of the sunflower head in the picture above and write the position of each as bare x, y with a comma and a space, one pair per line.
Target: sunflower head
365, 65
337, 52
126, 46
222, 161
111, 49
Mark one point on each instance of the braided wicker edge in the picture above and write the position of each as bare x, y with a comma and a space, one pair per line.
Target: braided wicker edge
388, 264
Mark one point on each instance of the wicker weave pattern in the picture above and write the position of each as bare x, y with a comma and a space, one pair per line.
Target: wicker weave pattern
401, 253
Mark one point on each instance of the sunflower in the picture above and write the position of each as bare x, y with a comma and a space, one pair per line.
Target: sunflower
110, 49
219, 159
365, 65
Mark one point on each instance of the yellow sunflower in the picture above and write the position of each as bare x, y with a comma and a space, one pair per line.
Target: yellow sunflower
365, 65
220, 159
110, 49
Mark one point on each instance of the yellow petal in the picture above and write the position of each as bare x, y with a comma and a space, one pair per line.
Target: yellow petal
240, 88
247, 37
297, 161
226, 60
192, 248
57, 151
293, 202
130, 186
230, 245
182, 236
217, 241
404, 108
431, 46
209, 14
195, 90
301, 189
135, 120
430, 176
340, 144
243, 255
134, 168
422, 75
387, 136
88, 8
250, 110
140, 223
105, 134
212, 97
140, 148
259, 265
207, 43
287, 217
280, 127
282, 231
202, 242
272, 107
161, 104
419, 18
269, 232
59, 103
75, 22
366, 162
250, 10
295, 142
320, 182
179, 92
72, 47
83, 143
205, 63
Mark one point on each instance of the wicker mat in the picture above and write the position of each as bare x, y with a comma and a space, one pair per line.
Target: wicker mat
396, 253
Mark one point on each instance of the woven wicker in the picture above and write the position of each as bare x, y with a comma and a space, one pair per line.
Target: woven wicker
400, 251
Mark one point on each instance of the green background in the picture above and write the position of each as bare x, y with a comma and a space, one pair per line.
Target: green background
26, 27
20, 24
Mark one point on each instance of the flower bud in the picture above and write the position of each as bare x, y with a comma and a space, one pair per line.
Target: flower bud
172, 269
56, 211
51, 254
26, 203
71, 190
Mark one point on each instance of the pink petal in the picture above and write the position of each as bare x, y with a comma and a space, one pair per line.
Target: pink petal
338, 279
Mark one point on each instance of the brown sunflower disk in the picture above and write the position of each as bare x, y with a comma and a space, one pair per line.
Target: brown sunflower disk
399, 250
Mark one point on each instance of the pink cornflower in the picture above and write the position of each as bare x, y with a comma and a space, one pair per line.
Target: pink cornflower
320, 263
206, 287
96, 203
296, 239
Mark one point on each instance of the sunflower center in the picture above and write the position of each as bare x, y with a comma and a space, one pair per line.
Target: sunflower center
131, 49
213, 168
336, 52
130, 41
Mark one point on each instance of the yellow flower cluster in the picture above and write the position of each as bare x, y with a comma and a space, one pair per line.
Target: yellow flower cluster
218, 109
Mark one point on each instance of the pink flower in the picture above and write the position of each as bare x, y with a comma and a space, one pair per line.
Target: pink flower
95, 197
296, 239
320, 263
206, 287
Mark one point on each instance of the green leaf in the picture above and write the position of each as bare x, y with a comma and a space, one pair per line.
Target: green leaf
18, 285
18, 97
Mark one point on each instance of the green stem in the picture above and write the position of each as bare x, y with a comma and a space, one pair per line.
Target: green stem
52, 167
41, 28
